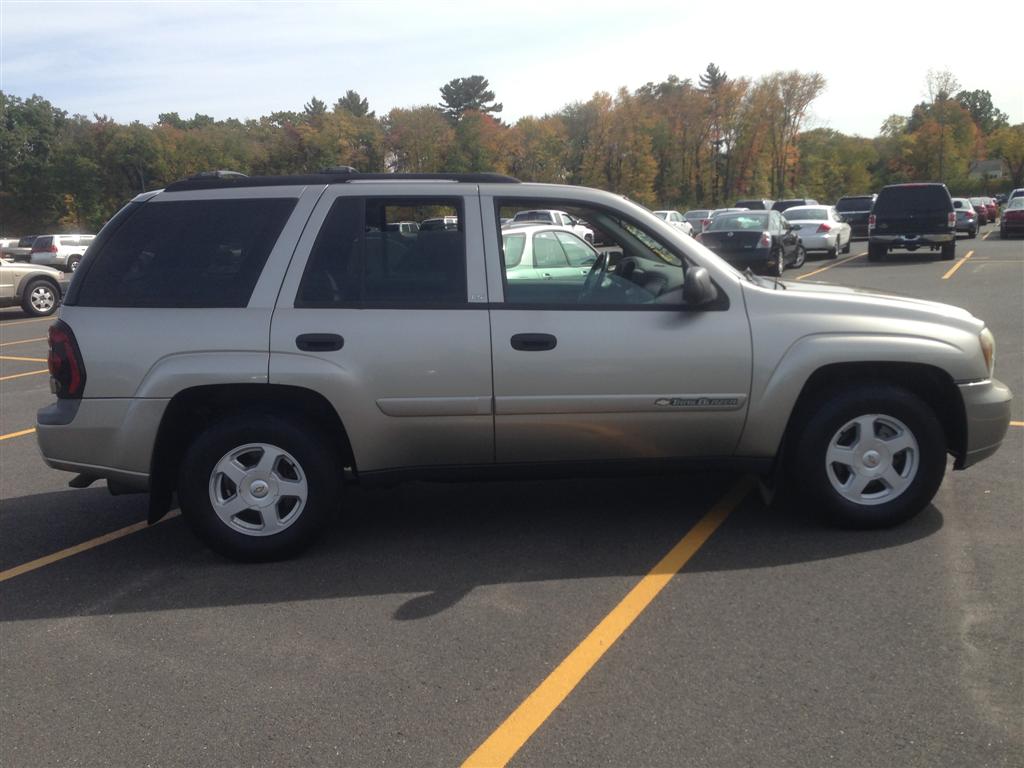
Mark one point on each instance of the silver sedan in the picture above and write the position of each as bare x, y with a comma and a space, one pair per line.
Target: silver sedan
820, 228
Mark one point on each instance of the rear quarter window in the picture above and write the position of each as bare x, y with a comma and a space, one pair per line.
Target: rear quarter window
188, 253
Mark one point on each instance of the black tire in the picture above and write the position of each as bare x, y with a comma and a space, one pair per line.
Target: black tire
34, 300
801, 257
949, 251
971, 234
73, 263
822, 420
876, 252
849, 243
313, 453
834, 252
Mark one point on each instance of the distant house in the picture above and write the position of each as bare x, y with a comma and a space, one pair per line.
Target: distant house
988, 169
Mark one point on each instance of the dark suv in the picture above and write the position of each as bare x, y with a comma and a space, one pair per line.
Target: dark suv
754, 205
912, 216
855, 210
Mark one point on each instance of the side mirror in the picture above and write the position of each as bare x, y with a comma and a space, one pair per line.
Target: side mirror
698, 289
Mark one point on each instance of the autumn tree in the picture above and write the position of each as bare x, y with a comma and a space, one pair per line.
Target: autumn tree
418, 140
790, 94
1008, 144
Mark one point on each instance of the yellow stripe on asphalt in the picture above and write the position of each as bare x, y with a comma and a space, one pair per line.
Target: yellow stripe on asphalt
41, 562
1017, 423
986, 235
22, 433
955, 267
23, 341
23, 322
517, 729
24, 359
836, 264
19, 375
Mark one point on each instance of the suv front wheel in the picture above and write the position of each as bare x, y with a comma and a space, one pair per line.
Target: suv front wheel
258, 487
869, 457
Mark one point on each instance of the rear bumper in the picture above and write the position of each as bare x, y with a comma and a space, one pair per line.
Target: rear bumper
49, 259
110, 438
912, 241
753, 257
823, 242
987, 408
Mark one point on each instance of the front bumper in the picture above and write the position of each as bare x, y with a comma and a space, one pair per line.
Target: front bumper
987, 409
111, 438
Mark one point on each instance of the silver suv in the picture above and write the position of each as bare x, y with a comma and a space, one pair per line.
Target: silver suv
252, 344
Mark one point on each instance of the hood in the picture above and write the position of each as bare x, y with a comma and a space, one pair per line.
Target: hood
870, 302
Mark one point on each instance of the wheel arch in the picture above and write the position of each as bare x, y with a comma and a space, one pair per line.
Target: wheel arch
193, 408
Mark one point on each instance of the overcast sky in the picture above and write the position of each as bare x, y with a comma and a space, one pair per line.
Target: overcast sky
134, 60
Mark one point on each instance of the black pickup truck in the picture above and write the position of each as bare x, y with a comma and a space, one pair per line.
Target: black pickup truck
912, 216
855, 210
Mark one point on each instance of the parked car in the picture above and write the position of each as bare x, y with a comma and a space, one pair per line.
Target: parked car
675, 219
855, 210
22, 251
542, 251
966, 217
991, 208
1015, 193
1013, 218
761, 240
252, 354
912, 216
62, 251
781, 205
440, 223
696, 217
820, 228
556, 218
981, 209
404, 227
37, 290
754, 205
5, 243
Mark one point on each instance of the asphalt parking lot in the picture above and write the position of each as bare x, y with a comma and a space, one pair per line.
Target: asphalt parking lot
433, 612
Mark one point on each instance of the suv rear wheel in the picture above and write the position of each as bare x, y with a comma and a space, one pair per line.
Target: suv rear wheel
258, 487
949, 251
876, 252
869, 457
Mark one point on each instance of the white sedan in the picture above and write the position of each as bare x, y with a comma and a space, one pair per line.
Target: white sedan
675, 219
545, 252
820, 228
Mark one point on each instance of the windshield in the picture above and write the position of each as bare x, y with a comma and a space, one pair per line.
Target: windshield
805, 214
745, 221
1016, 204
663, 215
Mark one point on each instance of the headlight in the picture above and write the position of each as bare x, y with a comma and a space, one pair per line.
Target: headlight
988, 349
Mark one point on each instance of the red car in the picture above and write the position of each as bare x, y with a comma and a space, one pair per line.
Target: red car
993, 208
980, 208
1013, 219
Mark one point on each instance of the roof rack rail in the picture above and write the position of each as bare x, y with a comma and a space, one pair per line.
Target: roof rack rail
221, 174
338, 169
233, 179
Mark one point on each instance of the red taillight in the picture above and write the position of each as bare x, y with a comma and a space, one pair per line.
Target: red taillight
52, 248
704, 224
67, 372
871, 221
970, 215
951, 219
823, 227
766, 240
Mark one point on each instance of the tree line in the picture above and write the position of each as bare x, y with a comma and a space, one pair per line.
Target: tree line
679, 143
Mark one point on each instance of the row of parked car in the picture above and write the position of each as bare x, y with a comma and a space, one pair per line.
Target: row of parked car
61, 251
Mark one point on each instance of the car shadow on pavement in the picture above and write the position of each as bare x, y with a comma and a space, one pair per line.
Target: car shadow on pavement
434, 541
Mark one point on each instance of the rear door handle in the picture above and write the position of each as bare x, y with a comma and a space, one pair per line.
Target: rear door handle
533, 342
319, 342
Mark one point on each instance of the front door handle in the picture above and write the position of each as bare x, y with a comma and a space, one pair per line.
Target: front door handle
319, 342
533, 342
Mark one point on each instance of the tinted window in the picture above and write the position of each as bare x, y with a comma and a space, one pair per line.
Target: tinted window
806, 214
727, 221
39, 243
542, 216
359, 260
853, 204
754, 205
196, 253
27, 241
922, 199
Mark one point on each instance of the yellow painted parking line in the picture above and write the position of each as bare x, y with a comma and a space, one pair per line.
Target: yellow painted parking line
23, 322
987, 235
517, 729
19, 375
955, 267
1017, 423
24, 359
120, 533
836, 264
22, 433
23, 341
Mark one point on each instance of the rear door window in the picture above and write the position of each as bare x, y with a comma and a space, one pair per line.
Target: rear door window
185, 253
